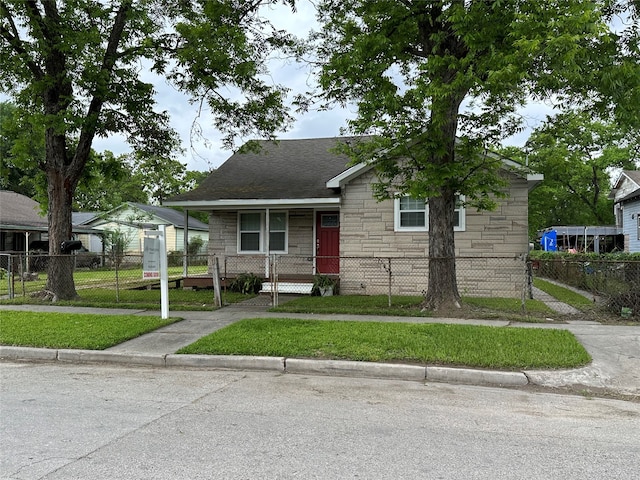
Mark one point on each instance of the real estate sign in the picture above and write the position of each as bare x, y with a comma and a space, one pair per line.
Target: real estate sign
154, 264
151, 258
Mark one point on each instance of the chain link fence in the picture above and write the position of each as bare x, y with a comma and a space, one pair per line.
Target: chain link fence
614, 284
494, 277
105, 279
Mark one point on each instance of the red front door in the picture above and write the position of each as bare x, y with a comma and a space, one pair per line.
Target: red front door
328, 242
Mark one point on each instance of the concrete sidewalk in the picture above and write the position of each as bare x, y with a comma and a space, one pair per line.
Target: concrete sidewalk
615, 351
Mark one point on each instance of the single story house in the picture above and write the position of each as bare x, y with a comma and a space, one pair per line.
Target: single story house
626, 198
21, 223
132, 219
303, 202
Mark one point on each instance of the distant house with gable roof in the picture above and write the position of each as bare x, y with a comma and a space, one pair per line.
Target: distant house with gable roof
133, 218
626, 198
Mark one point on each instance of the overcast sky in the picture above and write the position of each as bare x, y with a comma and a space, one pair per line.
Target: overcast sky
207, 153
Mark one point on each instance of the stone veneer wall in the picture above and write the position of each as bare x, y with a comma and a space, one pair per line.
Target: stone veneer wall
367, 230
223, 242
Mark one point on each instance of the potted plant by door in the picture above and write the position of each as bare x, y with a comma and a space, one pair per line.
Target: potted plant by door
323, 284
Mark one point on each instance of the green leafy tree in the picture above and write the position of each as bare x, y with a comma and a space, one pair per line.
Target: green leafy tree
577, 155
423, 73
73, 67
21, 151
195, 244
107, 181
160, 177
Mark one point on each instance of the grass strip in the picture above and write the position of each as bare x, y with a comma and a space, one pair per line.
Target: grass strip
563, 294
411, 306
179, 299
356, 305
506, 348
73, 330
511, 305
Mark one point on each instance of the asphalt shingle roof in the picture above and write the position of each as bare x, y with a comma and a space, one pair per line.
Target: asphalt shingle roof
20, 210
287, 169
172, 216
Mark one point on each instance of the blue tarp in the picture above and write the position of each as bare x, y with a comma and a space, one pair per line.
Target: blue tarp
549, 241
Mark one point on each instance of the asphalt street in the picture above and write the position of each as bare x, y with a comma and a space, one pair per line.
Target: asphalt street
68, 421
615, 350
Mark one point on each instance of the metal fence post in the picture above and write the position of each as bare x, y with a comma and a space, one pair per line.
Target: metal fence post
389, 272
273, 275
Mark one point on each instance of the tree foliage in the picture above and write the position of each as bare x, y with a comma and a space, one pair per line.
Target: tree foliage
21, 153
422, 72
106, 181
578, 156
73, 68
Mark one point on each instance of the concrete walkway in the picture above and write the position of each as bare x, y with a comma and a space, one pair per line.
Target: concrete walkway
615, 351
553, 303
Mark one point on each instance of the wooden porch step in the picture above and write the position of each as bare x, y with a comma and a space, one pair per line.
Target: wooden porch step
288, 287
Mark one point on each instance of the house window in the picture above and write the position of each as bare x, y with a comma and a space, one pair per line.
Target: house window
277, 231
330, 220
412, 215
251, 232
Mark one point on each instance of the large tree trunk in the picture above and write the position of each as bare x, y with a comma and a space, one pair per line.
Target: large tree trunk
442, 290
60, 194
63, 170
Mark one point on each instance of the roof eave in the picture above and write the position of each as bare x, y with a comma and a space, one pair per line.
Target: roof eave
533, 180
242, 204
349, 174
345, 177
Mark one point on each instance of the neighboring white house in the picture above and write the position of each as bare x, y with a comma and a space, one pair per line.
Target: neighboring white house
626, 199
133, 218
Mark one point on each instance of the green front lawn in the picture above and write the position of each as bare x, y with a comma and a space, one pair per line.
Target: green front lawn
463, 345
508, 308
77, 331
179, 299
356, 305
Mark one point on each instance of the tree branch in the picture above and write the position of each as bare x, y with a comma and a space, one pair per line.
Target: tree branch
110, 57
13, 38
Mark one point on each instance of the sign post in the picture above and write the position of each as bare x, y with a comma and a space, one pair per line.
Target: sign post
154, 264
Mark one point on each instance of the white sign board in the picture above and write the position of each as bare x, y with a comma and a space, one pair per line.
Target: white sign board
151, 258
154, 264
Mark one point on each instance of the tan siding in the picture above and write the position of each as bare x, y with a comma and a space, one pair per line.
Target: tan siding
170, 239
367, 229
223, 241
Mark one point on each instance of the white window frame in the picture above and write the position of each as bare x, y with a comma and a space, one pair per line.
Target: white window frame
262, 232
286, 231
461, 227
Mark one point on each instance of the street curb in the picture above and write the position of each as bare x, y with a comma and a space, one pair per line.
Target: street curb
24, 353
239, 362
347, 368
296, 366
476, 377
101, 356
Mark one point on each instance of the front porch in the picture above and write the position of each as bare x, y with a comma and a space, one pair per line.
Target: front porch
300, 284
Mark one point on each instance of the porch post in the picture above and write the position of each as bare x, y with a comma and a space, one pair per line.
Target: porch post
26, 251
185, 260
267, 247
